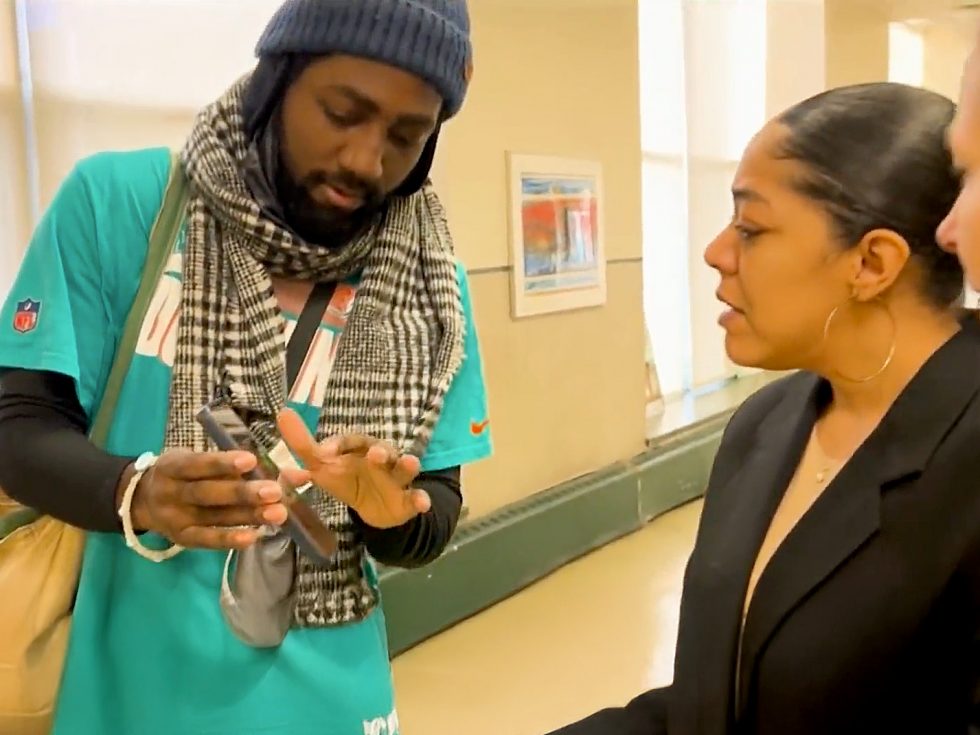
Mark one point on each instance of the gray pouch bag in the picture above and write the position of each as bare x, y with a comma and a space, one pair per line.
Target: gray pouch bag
258, 590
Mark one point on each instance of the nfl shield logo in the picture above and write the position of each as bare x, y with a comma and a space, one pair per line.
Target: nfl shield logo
26, 314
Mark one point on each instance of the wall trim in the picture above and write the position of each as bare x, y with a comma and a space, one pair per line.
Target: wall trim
493, 557
486, 270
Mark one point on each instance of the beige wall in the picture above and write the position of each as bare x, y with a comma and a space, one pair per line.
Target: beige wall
857, 42
946, 49
858, 47
552, 78
97, 127
796, 52
566, 391
14, 212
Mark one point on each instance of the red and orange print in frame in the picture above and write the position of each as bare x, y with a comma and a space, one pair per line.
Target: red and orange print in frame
557, 248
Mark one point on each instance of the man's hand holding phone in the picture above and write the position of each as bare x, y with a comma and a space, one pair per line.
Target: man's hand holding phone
364, 473
202, 500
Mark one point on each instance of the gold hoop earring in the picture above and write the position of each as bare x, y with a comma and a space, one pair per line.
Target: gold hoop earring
891, 350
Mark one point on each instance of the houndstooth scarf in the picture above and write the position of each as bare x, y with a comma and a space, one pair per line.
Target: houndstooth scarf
395, 360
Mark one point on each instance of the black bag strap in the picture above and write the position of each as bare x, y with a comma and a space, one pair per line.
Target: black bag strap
306, 328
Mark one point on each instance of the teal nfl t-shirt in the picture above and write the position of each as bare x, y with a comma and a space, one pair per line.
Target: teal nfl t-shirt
150, 653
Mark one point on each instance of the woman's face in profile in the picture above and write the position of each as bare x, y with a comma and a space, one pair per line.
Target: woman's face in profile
782, 270
960, 232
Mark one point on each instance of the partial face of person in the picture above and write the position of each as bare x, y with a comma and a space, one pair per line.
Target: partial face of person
352, 131
782, 268
960, 232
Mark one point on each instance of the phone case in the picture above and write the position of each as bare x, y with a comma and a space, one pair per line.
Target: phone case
230, 433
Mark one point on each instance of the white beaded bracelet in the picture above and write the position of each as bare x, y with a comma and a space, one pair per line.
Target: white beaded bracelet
142, 464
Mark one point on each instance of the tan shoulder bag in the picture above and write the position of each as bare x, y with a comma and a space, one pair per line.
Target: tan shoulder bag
40, 556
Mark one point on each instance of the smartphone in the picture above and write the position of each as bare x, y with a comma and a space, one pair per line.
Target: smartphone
230, 433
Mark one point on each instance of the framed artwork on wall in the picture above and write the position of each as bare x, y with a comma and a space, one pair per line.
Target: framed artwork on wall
556, 234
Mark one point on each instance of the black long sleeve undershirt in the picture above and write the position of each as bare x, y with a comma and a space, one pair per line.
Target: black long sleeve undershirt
424, 538
48, 463
46, 459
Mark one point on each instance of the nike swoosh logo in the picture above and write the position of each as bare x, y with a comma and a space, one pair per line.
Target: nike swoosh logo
477, 428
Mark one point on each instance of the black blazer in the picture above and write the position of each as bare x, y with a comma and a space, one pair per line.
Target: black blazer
867, 619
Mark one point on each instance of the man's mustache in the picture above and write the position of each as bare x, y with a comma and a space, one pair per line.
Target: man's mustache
347, 183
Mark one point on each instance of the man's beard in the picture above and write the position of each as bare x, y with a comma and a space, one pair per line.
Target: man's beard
324, 225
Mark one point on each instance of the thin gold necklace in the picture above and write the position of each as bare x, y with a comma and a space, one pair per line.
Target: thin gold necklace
827, 466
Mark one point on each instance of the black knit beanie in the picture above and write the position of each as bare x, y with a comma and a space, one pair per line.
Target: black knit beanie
427, 38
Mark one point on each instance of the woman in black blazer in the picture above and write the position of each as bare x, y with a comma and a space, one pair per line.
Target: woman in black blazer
834, 586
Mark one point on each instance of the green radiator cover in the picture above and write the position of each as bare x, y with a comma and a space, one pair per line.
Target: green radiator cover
495, 556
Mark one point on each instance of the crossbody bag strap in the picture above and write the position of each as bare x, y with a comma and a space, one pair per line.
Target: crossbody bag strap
306, 328
163, 237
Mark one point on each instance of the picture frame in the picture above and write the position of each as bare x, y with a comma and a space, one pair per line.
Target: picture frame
557, 234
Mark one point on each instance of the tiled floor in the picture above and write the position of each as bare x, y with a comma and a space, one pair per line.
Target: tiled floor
594, 634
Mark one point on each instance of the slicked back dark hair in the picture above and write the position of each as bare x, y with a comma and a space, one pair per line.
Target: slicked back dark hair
876, 157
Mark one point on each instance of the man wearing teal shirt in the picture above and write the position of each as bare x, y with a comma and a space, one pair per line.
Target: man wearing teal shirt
311, 170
